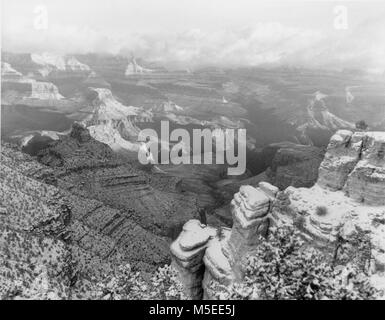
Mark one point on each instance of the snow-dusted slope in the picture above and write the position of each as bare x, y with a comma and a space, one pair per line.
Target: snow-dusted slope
73, 64
111, 122
54, 135
320, 119
49, 59
170, 106
51, 62
107, 108
7, 72
24, 88
110, 135
351, 188
319, 115
134, 68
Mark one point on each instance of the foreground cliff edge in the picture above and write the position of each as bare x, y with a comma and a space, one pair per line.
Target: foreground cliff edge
347, 202
57, 242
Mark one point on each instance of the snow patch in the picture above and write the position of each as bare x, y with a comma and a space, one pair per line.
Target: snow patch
52, 62
134, 68
8, 71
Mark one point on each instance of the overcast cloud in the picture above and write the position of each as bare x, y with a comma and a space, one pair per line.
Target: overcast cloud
201, 32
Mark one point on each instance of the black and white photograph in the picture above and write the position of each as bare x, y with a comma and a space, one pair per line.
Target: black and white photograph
195, 150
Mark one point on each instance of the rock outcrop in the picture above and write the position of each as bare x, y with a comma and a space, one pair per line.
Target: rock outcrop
7, 72
133, 68
355, 164
205, 255
320, 123
111, 122
346, 205
92, 169
45, 91
49, 63
294, 165
281, 164
366, 183
188, 252
348, 199
16, 87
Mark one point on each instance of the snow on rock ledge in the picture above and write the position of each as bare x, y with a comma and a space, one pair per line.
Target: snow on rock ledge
341, 156
348, 198
203, 257
8, 72
249, 208
355, 163
187, 252
50, 62
347, 201
366, 183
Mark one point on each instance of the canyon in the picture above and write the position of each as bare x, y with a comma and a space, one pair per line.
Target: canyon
76, 202
89, 210
300, 106
73, 218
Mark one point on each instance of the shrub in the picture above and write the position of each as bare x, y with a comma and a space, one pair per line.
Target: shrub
124, 284
361, 125
220, 233
282, 267
299, 222
321, 211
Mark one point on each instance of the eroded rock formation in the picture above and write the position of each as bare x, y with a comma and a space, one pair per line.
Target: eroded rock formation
346, 205
348, 199
205, 255
91, 169
355, 164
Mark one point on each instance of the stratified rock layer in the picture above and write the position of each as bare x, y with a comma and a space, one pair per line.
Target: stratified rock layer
71, 240
341, 157
346, 203
355, 163
366, 183
348, 199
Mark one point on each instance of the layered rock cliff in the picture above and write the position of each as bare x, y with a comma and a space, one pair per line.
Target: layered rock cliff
49, 63
343, 209
90, 168
25, 87
45, 91
111, 122
53, 242
320, 123
133, 68
7, 72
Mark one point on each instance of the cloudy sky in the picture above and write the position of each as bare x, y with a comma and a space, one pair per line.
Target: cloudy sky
204, 32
